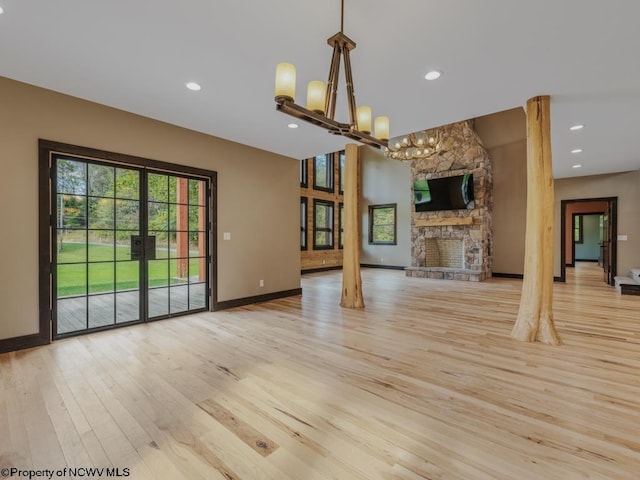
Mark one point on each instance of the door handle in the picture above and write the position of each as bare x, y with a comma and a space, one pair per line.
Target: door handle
136, 247
140, 248
150, 247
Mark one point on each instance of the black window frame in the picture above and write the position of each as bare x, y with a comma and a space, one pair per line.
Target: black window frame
340, 225
304, 172
342, 158
330, 230
372, 208
304, 223
329, 173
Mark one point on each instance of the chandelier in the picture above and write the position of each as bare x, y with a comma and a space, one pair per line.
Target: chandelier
418, 145
321, 99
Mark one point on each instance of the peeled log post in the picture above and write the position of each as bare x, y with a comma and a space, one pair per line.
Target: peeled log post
535, 316
351, 279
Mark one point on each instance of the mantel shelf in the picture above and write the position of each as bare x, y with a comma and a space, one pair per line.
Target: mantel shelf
439, 222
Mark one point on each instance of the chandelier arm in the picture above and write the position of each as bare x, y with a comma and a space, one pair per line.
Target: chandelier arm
332, 83
337, 128
351, 98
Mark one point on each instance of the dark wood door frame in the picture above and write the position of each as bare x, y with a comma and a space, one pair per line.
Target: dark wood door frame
613, 220
46, 149
573, 243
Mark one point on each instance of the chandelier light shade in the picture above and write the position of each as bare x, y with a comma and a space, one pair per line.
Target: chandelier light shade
285, 82
418, 145
321, 99
364, 119
316, 96
381, 128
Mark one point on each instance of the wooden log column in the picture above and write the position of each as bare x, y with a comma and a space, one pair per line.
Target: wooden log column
535, 315
351, 279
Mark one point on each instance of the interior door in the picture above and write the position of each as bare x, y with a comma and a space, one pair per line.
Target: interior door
130, 245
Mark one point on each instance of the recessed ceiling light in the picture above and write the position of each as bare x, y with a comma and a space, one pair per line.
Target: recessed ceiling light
577, 165
193, 86
576, 127
1, 11
433, 75
293, 125
576, 150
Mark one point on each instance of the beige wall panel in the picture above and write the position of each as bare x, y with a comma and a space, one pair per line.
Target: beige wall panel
258, 194
509, 206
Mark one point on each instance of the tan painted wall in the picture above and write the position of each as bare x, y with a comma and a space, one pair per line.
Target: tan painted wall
509, 206
258, 194
504, 136
625, 186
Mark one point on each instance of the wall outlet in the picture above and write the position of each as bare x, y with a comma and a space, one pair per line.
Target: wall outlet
261, 283
226, 236
622, 238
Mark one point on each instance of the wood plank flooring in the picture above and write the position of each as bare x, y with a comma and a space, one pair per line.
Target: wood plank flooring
424, 383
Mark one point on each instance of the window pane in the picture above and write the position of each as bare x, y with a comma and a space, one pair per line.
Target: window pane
127, 183
101, 213
72, 211
101, 180
158, 186
323, 224
323, 171
323, 239
382, 227
342, 160
303, 223
383, 233
72, 177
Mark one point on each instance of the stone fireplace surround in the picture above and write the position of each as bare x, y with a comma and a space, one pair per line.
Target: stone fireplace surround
462, 152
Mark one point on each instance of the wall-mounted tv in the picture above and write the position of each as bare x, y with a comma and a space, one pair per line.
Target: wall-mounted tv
447, 193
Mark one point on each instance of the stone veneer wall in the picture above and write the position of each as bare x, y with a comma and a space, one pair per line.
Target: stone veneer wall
461, 152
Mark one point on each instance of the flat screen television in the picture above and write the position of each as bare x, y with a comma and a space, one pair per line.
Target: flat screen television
447, 193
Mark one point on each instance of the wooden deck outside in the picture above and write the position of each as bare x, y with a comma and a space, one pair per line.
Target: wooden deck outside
425, 383
123, 307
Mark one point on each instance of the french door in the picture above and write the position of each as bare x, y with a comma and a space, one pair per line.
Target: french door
129, 244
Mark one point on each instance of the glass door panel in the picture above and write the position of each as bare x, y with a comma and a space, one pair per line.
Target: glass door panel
97, 282
130, 245
177, 279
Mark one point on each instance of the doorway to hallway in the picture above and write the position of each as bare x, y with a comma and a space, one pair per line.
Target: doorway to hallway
588, 234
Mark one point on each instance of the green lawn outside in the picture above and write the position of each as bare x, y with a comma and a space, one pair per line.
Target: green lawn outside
103, 277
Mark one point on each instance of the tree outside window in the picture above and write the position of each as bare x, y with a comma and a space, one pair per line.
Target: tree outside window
323, 172
303, 223
382, 224
322, 225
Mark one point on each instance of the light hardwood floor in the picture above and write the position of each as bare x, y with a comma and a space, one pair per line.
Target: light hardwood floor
425, 383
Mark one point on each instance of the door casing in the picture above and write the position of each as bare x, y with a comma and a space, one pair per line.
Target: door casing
47, 148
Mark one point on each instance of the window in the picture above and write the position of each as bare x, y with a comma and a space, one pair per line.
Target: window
382, 224
341, 165
322, 225
304, 173
341, 225
323, 172
303, 223
577, 229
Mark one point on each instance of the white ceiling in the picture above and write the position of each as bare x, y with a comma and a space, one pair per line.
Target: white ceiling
136, 55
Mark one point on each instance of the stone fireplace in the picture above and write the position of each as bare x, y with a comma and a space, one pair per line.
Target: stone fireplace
454, 244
